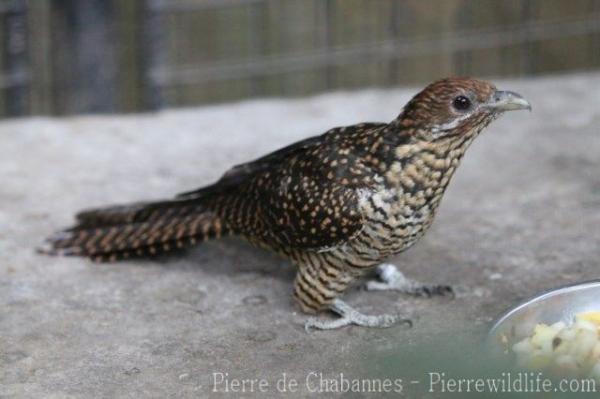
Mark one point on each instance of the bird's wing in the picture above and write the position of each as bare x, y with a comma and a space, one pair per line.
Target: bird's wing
311, 198
307, 212
306, 195
242, 172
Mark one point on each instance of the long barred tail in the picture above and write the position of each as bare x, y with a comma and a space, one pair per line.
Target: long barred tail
138, 230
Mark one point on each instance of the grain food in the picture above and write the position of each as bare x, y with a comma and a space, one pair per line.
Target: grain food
563, 349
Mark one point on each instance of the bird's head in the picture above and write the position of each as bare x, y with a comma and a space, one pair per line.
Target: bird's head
456, 108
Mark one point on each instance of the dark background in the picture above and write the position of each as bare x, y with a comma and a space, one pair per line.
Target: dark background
81, 56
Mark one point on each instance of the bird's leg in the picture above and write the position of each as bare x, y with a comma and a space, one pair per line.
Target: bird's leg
317, 286
392, 279
349, 316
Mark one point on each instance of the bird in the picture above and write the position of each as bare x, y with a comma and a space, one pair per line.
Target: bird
337, 205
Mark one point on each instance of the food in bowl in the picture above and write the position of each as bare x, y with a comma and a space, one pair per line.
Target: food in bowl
563, 349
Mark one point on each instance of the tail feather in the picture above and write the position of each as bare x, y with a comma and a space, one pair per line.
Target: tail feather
137, 213
108, 240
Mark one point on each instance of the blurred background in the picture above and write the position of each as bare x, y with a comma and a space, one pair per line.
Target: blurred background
85, 56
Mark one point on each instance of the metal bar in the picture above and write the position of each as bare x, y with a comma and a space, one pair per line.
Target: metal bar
463, 59
526, 48
13, 6
88, 69
595, 39
11, 80
40, 52
389, 49
128, 18
394, 31
326, 11
16, 61
176, 6
153, 53
255, 42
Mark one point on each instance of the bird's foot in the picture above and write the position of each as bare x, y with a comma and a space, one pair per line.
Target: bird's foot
349, 316
393, 279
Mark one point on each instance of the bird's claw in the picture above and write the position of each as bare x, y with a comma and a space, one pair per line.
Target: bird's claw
350, 316
429, 291
392, 279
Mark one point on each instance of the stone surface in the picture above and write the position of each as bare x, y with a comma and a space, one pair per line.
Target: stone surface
522, 215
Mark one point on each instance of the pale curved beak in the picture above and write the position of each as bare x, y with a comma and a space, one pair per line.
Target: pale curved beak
507, 101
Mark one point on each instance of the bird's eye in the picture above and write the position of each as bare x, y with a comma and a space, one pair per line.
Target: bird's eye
461, 103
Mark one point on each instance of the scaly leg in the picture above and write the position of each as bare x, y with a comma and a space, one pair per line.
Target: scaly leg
392, 279
317, 286
350, 316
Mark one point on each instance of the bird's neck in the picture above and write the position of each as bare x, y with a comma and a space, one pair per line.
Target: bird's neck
422, 169
406, 164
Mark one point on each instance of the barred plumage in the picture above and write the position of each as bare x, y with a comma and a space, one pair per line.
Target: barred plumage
117, 234
336, 205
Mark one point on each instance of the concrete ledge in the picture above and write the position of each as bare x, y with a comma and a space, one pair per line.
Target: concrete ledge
522, 215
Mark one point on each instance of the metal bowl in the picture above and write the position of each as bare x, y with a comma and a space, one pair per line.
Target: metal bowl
561, 304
